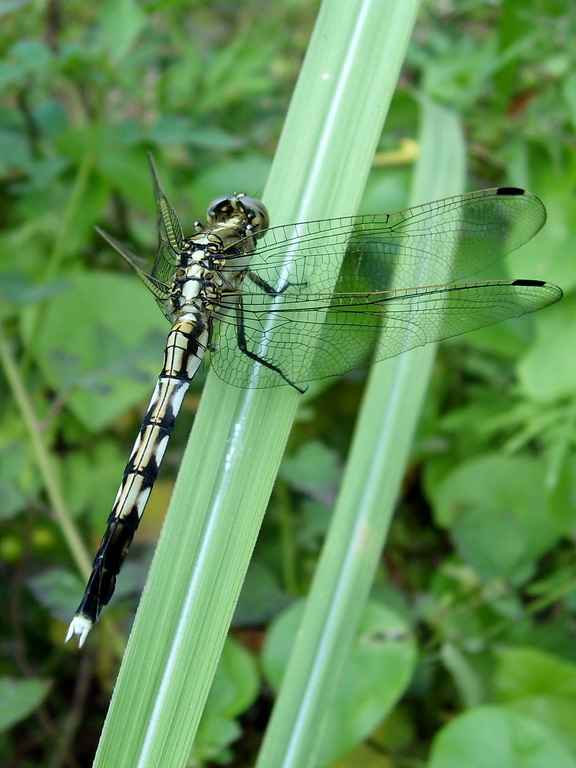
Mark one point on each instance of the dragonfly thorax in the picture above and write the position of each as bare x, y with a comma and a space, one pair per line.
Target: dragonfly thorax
195, 285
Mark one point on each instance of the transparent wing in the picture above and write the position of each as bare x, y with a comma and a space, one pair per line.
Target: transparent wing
160, 289
441, 241
334, 312
313, 336
169, 243
169, 232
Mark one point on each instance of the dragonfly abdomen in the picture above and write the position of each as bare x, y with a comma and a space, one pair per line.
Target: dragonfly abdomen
183, 354
185, 347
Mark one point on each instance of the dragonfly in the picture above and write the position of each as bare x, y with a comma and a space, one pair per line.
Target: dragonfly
358, 289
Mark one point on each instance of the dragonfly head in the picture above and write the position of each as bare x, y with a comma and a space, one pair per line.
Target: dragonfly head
251, 209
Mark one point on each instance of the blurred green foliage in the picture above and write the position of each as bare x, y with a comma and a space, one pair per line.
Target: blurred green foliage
480, 564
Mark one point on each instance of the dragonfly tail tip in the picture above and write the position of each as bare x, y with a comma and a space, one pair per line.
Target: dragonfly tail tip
81, 626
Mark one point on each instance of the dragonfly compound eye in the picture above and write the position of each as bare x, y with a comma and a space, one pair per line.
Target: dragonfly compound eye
223, 208
256, 213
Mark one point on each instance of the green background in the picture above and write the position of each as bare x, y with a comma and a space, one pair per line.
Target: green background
477, 585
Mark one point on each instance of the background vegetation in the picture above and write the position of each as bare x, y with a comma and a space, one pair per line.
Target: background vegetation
480, 565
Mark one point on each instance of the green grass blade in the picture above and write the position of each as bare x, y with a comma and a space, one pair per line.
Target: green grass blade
238, 438
362, 517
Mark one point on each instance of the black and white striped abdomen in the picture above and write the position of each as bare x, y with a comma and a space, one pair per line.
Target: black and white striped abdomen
185, 348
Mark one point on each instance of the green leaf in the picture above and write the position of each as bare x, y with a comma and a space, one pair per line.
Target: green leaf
541, 686
376, 674
550, 255
314, 469
494, 498
546, 372
125, 170
8, 6
19, 698
16, 288
465, 668
236, 682
91, 478
57, 590
234, 689
177, 129
107, 362
492, 736
261, 597
12, 464
122, 21
33, 55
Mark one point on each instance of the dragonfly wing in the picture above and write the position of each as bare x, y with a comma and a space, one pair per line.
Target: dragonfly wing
160, 290
439, 242
170, 234
314, 336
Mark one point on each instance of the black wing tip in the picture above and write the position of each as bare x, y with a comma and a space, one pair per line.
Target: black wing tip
510, 191
553, 290
530, 282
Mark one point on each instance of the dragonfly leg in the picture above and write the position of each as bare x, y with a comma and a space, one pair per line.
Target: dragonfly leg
242, 345
267, 288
